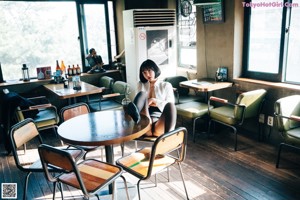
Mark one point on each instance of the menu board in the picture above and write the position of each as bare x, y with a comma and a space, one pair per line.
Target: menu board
213, 13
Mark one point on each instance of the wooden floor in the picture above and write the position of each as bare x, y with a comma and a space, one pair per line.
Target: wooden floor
212, 171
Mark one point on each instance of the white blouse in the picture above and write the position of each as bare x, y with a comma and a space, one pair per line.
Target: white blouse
163, 92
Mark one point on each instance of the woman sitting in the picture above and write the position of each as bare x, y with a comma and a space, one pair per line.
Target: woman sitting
155, 99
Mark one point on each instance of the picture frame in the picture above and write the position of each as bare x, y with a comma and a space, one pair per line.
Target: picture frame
213, 14
43, 72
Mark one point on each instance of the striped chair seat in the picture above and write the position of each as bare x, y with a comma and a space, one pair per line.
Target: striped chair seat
90, 175
138, 162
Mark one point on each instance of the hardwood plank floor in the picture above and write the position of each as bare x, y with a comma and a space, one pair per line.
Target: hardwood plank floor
212, 170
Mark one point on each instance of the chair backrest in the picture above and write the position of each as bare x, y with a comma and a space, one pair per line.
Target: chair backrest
14, 102
252, 100
120, 87
175, 80
54, 158
167, 143
74, 110
107, 83
21, 133
287, 106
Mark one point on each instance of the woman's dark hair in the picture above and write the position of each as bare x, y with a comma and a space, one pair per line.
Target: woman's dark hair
148, 64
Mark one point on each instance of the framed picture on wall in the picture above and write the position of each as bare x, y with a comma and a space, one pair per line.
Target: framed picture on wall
214, 14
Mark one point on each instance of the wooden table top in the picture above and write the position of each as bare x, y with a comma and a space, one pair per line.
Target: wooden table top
65, 93
102, 128
205, 85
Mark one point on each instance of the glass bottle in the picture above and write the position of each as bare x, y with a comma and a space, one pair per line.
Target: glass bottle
62, 67
58, 69
74, 70
70, 71
78, 70
126, 101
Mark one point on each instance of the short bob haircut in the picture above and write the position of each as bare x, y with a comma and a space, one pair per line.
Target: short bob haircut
146, 65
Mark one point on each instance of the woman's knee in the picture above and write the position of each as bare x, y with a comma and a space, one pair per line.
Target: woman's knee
170, 108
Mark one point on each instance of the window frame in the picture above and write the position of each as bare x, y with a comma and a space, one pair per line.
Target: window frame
193, 45
81, 29
274, 77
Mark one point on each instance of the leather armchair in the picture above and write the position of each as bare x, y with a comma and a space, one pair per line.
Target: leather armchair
287, 118
247, 105
112, 97
106, 83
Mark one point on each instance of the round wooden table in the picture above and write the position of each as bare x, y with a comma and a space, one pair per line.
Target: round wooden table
103, 128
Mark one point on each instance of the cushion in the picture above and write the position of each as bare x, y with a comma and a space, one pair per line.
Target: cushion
192, 109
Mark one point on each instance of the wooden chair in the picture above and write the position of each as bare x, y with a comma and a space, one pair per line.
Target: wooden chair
74, 110
167, 150
90, 176
248, 105
287, 118
27, 132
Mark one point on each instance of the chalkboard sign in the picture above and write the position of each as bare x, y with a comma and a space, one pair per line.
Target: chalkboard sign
213, 13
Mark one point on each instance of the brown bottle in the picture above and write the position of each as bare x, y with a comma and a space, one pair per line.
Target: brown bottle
70, 71
74, 70
58, 69
78, 70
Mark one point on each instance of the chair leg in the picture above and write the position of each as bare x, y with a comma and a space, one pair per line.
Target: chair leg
278, 155
54, 190
235, 140
194, 129
102, 154
186, 193
168, 171
155, 180
113, 190
126, 187
209, 127
136, 145
138, 189
26, 184
122, 148
61, 189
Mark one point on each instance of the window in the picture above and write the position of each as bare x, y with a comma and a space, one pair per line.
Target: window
272, 45
293, 49
95, 28
39, 33
187, 35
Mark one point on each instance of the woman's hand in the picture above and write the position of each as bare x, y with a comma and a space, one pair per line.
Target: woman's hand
152, 102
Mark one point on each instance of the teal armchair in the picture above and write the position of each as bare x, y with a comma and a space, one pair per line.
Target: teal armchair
287, 118
247, 105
